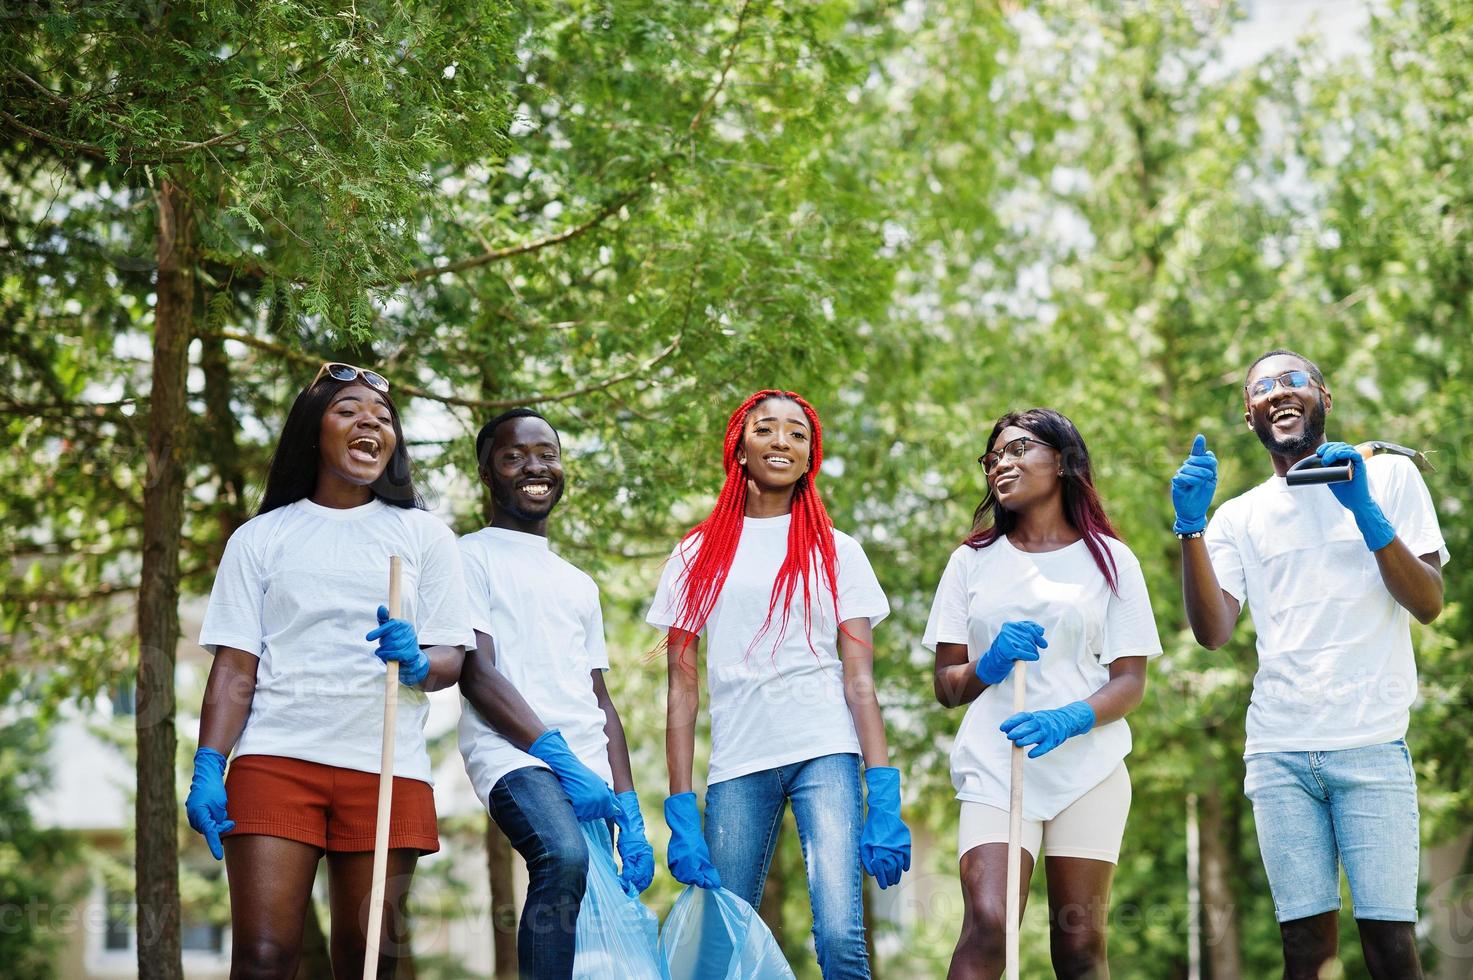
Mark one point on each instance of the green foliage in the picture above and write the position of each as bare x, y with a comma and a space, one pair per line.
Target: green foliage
35, 888
633, 214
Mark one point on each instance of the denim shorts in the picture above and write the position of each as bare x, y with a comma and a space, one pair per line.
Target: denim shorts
1317, 811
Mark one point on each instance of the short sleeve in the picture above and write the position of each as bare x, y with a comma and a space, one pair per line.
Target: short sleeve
236, 614
664, 611
860, 594
948, 620
442, 612
1226, 554
1130, 627
477, 587
593, 631
1411, 512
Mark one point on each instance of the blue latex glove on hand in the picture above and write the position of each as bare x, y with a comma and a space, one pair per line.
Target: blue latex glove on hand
1019, 640
884, 845
205, 805
688, 856
1355, 494
1049, 728
591, 797
397, 641
635, 853
1192, 488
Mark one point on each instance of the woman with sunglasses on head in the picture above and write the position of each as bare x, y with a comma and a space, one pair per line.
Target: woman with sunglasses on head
300, 639
785, 605
1043, 577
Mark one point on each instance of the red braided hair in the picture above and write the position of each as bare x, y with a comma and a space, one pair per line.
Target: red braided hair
810, 535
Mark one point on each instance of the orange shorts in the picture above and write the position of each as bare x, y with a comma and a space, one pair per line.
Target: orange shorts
325, 806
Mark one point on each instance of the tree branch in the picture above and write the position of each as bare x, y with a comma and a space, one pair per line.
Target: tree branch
300, 357
699, 117
66, 144
508, 251
56, 598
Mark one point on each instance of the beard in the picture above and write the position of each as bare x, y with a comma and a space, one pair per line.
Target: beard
1300, 445
509, 503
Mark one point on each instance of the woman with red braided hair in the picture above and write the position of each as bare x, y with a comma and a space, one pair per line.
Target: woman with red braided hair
786, 606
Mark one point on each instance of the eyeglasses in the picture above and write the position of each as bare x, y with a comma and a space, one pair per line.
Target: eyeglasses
1013, 449
347, 372
1291, 380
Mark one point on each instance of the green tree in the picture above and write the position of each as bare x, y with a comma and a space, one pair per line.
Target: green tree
282, 149
35, 887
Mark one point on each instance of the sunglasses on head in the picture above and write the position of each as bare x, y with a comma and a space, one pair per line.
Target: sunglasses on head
1291, 380
347, 372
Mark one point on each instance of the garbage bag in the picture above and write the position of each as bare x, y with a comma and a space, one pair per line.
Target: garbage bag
617, 938
711, 934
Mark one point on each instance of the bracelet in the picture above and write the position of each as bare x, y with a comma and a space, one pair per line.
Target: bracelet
1183, 535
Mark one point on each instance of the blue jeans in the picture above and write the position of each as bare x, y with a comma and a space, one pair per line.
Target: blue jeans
532, 810
743, 816
1317, 810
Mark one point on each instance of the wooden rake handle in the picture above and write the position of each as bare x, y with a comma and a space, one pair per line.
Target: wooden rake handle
1015, 829
385, 795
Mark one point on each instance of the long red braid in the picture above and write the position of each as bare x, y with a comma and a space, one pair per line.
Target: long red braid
810, 535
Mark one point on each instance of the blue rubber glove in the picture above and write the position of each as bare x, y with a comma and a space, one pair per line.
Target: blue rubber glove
1192, 488
1019, 640
688, 856
635, 853
1355, 494
396, 641
884, 845
205, 805
1048, 729
591, 797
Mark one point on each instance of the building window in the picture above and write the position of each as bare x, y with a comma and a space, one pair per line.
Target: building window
195, 934
117, 937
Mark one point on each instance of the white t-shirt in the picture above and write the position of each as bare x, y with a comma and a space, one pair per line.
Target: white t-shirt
1335, 667
545, 617
1087, 628
299, 587
778, 700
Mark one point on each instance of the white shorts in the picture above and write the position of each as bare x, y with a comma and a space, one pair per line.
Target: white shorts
1090, 827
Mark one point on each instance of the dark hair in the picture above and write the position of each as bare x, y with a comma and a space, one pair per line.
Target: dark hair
1082, 507
1314, 369
293, 473
488, 431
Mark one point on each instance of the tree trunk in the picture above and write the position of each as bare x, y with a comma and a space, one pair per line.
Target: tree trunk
1219, 905
774, 890
1448, 907
220, 432
316, 961
869, 932
503, 903
157, 807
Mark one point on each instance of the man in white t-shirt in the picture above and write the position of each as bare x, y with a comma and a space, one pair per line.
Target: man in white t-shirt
1330, 573
541, 738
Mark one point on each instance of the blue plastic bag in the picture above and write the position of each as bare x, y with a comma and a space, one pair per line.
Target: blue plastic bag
617, 936
711, 934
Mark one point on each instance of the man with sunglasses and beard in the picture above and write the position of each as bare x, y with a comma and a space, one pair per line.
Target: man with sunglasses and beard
541, 738
1331, 574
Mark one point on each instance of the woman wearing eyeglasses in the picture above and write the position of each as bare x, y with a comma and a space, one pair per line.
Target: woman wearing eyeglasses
1042, 577
300, 638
